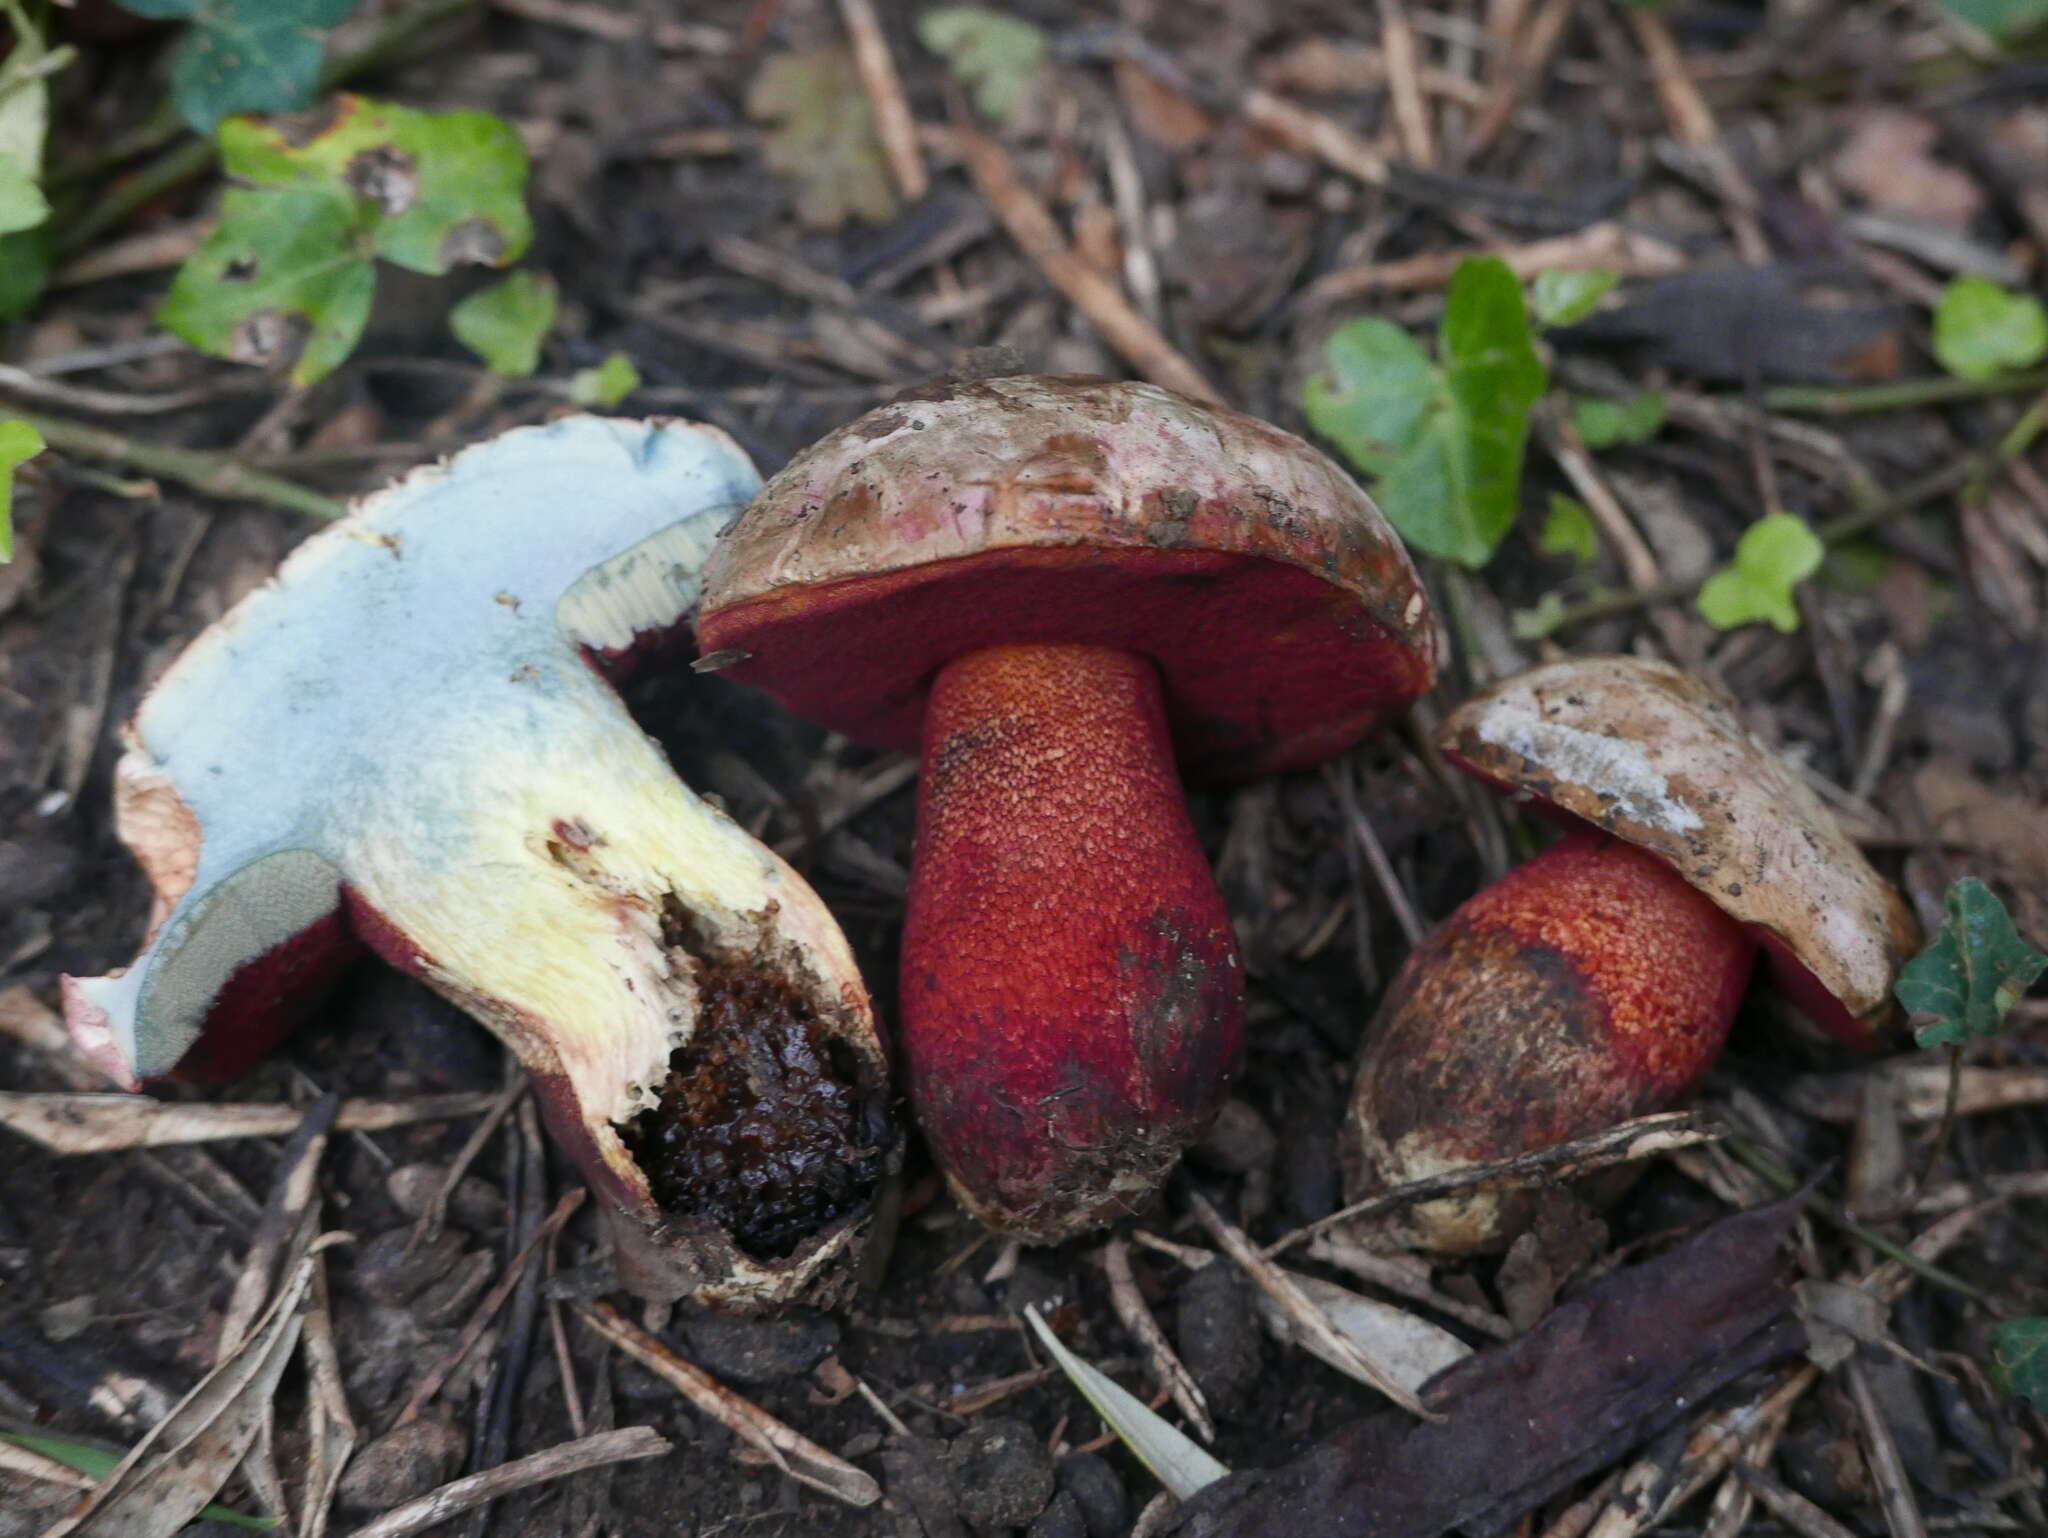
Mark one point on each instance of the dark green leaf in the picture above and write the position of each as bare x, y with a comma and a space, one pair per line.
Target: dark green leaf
2006, 20
1973, 973
245, 55
1604, 423
1981, 329
506, 323
2020, 1349
19, 443
24, 269
1565, 298
994, 55
1774, 555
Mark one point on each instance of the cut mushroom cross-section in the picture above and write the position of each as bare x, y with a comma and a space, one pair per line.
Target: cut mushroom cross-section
407, 740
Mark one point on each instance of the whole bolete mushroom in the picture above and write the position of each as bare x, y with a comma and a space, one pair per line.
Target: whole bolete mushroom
1599, 981
1059, 589
407, 742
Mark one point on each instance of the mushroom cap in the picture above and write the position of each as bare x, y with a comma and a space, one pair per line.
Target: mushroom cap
1651, 754
1282, 611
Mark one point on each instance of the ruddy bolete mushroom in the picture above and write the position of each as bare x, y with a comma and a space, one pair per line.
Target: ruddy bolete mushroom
1598, 981
407, 741
1059, 589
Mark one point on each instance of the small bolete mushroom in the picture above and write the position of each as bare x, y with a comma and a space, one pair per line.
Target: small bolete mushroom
1058, 588
1598, 981
407, 741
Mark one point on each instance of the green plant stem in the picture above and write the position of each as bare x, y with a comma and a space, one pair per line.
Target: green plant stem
1896, 395
216, 474
1747, 1153
191, 157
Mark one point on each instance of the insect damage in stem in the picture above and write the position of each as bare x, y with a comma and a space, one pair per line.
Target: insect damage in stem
766, 1124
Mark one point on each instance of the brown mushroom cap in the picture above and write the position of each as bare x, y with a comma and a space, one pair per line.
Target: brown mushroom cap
1650, 754
1282, 611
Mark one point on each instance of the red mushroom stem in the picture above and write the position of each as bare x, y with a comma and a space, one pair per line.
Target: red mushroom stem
1072, 1000
1590, 985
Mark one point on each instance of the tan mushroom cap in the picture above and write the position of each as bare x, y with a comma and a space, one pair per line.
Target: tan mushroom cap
1651, 754
1282, 610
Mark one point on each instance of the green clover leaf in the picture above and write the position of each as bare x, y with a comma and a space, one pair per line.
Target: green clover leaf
506, 323
1445, 440
1774, 555
1981, 329
992, 54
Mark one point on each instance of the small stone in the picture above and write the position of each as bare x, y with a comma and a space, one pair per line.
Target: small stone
1216, 1327
403, 1464
1098, 1492
760, 1350
1002, 1474
392, 1269
64, 1321
448, 1300
1238, 1141
1060, 1519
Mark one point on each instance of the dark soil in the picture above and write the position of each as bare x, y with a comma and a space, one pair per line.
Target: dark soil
1912, 694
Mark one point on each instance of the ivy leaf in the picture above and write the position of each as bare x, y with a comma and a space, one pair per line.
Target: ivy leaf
1774, 555
1972, 974
2006, 20
1445, 440
286, 274
445, 188
1604, 423
607, 384
1569, 530
244, 55
2019, 1350
1981, 329
506, 323
290, 270
19, 443
1565, 298
821, 137
992, 54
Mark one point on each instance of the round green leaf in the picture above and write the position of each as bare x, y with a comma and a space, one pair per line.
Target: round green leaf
1566, 298
1774, 555
607, 384
1981, 329
22, 204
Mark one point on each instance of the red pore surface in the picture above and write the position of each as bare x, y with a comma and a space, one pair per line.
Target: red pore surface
1265, 665
1588, 986
1072, 1003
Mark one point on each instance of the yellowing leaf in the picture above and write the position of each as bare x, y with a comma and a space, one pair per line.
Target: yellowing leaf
820, 136
1774, 555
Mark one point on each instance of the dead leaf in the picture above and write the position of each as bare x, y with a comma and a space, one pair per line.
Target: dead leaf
820, 136
1158, 111
1748, 323
1888, 161
1606, 1371
169, 1477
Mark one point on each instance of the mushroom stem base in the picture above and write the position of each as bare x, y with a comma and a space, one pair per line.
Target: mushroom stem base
1073, 1005
1591, 985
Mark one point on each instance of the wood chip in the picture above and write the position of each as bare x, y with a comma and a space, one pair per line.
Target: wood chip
81, 1124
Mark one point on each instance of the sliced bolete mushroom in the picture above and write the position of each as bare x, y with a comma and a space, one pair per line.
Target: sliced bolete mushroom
1059, 588
1598, 981
407, 741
